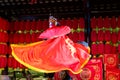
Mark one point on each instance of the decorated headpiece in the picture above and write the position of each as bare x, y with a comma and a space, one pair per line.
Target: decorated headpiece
52, 21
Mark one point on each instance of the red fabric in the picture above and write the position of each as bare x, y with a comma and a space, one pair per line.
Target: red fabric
55, 32
100, 22
107, 36
113, 74
106, 22
113, 22
93, 36
72, 36
100, 48
88, 72
110, 61
114, 37
91, 71
101, 35
93, 22
54, 54
94, 49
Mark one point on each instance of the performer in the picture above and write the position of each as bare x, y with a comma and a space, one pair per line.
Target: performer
55, 53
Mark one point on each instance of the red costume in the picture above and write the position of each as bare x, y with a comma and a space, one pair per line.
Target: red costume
56, 53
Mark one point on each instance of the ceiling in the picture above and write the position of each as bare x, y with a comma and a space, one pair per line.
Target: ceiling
58, 8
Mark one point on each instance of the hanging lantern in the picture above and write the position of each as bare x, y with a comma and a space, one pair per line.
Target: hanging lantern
100, 22
93, 36
106, 22
81, 23
39, 25
101, 48
101, 35
114, 37
108, 48
3, 62
107, 36
75, 23
113, 22
94, 48
93, 22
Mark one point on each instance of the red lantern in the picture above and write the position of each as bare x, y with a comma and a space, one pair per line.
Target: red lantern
100, 22
81, 23
107, 36
75, 23
69, 22
39, 25
81, 36
93, 36
114, 49
33, 25
27, 25
114, 37
3, 62
106, 22
93, 22
113, 22
101, 35
118, 36
94, 48
16, 38
22, 37
21, 25
3, 48
16, 24
27, 38
45, 25
62, 22
108, 48
101, 48
118, 22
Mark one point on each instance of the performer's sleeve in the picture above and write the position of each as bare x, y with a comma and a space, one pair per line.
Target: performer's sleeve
55, 32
